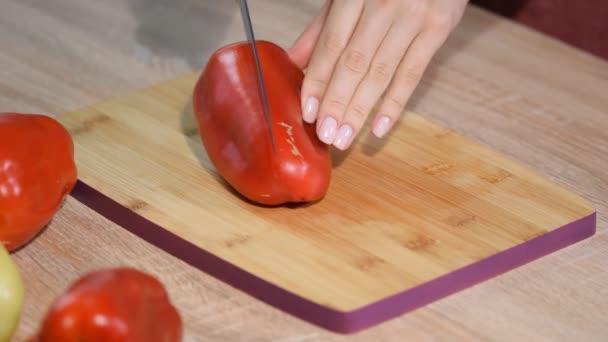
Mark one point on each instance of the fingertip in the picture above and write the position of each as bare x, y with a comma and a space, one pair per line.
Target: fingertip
310, 109
327, 129
382, 126
344, 137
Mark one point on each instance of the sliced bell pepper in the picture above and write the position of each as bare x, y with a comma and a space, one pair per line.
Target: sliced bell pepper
112, 305
37, 171
11, 296
233, 128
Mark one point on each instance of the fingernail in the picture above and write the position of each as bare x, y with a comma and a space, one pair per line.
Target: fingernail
382, 126
343, 138
328, 130
311, 106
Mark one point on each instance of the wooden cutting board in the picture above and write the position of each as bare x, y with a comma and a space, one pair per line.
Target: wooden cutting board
407, 220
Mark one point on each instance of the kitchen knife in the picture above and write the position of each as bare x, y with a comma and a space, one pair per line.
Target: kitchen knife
250, 36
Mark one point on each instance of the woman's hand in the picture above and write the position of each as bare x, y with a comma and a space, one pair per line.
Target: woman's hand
356, 50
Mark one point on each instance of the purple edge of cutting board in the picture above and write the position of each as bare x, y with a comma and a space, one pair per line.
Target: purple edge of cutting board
337, 321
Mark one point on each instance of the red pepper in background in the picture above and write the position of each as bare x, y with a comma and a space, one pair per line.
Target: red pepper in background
233, 128
113, 305
37, 171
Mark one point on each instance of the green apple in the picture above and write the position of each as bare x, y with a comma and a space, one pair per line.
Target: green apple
11, 296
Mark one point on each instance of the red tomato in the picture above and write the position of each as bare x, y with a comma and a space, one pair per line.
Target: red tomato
233, 128
37, 171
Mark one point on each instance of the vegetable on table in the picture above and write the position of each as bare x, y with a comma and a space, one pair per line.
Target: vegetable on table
11, 296
37, 171
233, 129
112, 305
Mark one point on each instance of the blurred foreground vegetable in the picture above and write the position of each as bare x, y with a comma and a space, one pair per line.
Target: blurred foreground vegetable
11, 296
112, 305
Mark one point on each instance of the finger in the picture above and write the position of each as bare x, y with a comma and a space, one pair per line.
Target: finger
301, 50
406, 79
341, 20
352, 66
377, 79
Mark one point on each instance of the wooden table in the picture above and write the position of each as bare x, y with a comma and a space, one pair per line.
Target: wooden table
523, 94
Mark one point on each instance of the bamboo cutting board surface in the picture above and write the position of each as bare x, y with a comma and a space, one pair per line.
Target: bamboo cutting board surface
407, 220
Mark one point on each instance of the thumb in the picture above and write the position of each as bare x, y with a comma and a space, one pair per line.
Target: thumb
301, 51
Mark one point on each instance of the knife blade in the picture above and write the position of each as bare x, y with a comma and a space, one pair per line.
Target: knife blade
251, 37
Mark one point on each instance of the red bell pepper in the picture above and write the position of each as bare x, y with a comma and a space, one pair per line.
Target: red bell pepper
37, 171
112, 305
233, 128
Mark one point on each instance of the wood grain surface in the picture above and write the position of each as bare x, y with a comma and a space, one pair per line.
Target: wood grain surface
522, 94
440, 203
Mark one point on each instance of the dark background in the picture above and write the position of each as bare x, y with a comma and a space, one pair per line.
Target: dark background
581, 23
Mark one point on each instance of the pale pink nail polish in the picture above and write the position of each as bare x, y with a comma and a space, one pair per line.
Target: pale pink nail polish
311, 106
344, 136
327, 133
382, 126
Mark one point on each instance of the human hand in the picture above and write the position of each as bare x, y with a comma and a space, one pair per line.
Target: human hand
356, 50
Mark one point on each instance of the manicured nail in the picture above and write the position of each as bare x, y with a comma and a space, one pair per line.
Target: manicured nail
343, 138
382, 126
328, 130
311, 106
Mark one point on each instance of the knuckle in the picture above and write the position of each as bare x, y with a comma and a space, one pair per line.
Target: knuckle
316, 83
417, 9
381, 72
441, 21
396, 100
411, 74
391, 5
383, 3
383, 8
336, 104
357, 113
355, 61
333, 44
